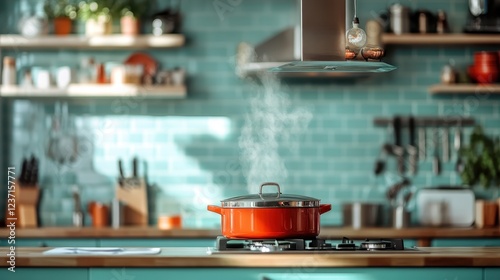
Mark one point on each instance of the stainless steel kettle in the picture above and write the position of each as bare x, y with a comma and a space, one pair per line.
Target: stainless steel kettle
477, 7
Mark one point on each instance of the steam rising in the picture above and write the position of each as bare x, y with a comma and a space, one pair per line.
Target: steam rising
271, 123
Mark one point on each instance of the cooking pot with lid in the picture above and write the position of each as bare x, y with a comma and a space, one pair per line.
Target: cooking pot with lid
270, 215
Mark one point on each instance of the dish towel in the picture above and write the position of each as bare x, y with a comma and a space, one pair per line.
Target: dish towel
102, 251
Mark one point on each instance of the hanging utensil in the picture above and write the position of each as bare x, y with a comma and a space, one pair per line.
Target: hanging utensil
457, 144
436, 163
412, 148
393, 192
398, 148
422, 144
385, 150
445, 141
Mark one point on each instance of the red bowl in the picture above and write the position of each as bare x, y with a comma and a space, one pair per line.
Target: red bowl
483, 76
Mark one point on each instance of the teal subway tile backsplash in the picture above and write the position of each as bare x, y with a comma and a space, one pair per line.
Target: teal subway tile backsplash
192, 146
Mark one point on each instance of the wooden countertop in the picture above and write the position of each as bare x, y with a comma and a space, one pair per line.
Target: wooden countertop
326, 232
198, 257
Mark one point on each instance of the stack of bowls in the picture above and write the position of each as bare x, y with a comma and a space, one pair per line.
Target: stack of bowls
485, 67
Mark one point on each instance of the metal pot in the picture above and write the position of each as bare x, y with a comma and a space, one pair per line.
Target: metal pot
270, 215
361, 214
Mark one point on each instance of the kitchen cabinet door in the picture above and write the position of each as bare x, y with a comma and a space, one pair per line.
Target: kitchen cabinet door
480, 242
139, 242
491, 273
28, 273
289, 273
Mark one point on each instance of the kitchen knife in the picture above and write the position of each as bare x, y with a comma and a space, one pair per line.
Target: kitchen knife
134, 167
121, 175
24, 167
29, 171
33, 179
398, 148
412, 148
134, 181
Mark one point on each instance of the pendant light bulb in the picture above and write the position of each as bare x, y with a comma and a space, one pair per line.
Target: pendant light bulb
356, 37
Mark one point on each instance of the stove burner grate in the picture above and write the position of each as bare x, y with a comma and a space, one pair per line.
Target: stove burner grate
288, 245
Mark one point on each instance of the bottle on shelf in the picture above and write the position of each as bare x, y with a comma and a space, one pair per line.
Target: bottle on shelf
9, 71
87, 73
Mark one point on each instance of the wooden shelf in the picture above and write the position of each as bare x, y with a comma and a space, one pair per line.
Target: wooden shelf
465, 89
96, 91
440, 39
94, 42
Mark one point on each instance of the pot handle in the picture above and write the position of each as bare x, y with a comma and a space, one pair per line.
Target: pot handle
270, 184
215, 209
323, 208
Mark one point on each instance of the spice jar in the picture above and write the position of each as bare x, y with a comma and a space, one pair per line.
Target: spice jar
448, 75
442, 23
9, 71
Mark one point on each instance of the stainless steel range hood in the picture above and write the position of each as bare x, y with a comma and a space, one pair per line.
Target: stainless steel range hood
316, 48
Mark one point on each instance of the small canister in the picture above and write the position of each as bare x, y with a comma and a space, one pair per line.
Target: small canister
448, 75
116, 213
400, 217
400, 19
9, 71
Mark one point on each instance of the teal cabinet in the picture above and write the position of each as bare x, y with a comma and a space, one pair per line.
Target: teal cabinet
380, 274
483, 242
24, 273
491, 273
289, 273
141, 242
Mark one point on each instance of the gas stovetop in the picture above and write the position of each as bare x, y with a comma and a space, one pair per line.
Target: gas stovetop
293, 246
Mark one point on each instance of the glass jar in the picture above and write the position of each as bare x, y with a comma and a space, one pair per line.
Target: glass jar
9, 71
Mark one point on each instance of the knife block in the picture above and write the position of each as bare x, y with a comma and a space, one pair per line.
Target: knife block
132, 192
24, 213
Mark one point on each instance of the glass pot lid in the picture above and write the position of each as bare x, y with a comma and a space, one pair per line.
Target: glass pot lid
270, 199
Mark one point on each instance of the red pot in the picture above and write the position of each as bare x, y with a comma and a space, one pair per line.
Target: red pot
483, 75
270, 215
485, 57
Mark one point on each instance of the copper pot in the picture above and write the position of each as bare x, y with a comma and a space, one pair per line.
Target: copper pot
99, 213
270, 215
372, 53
